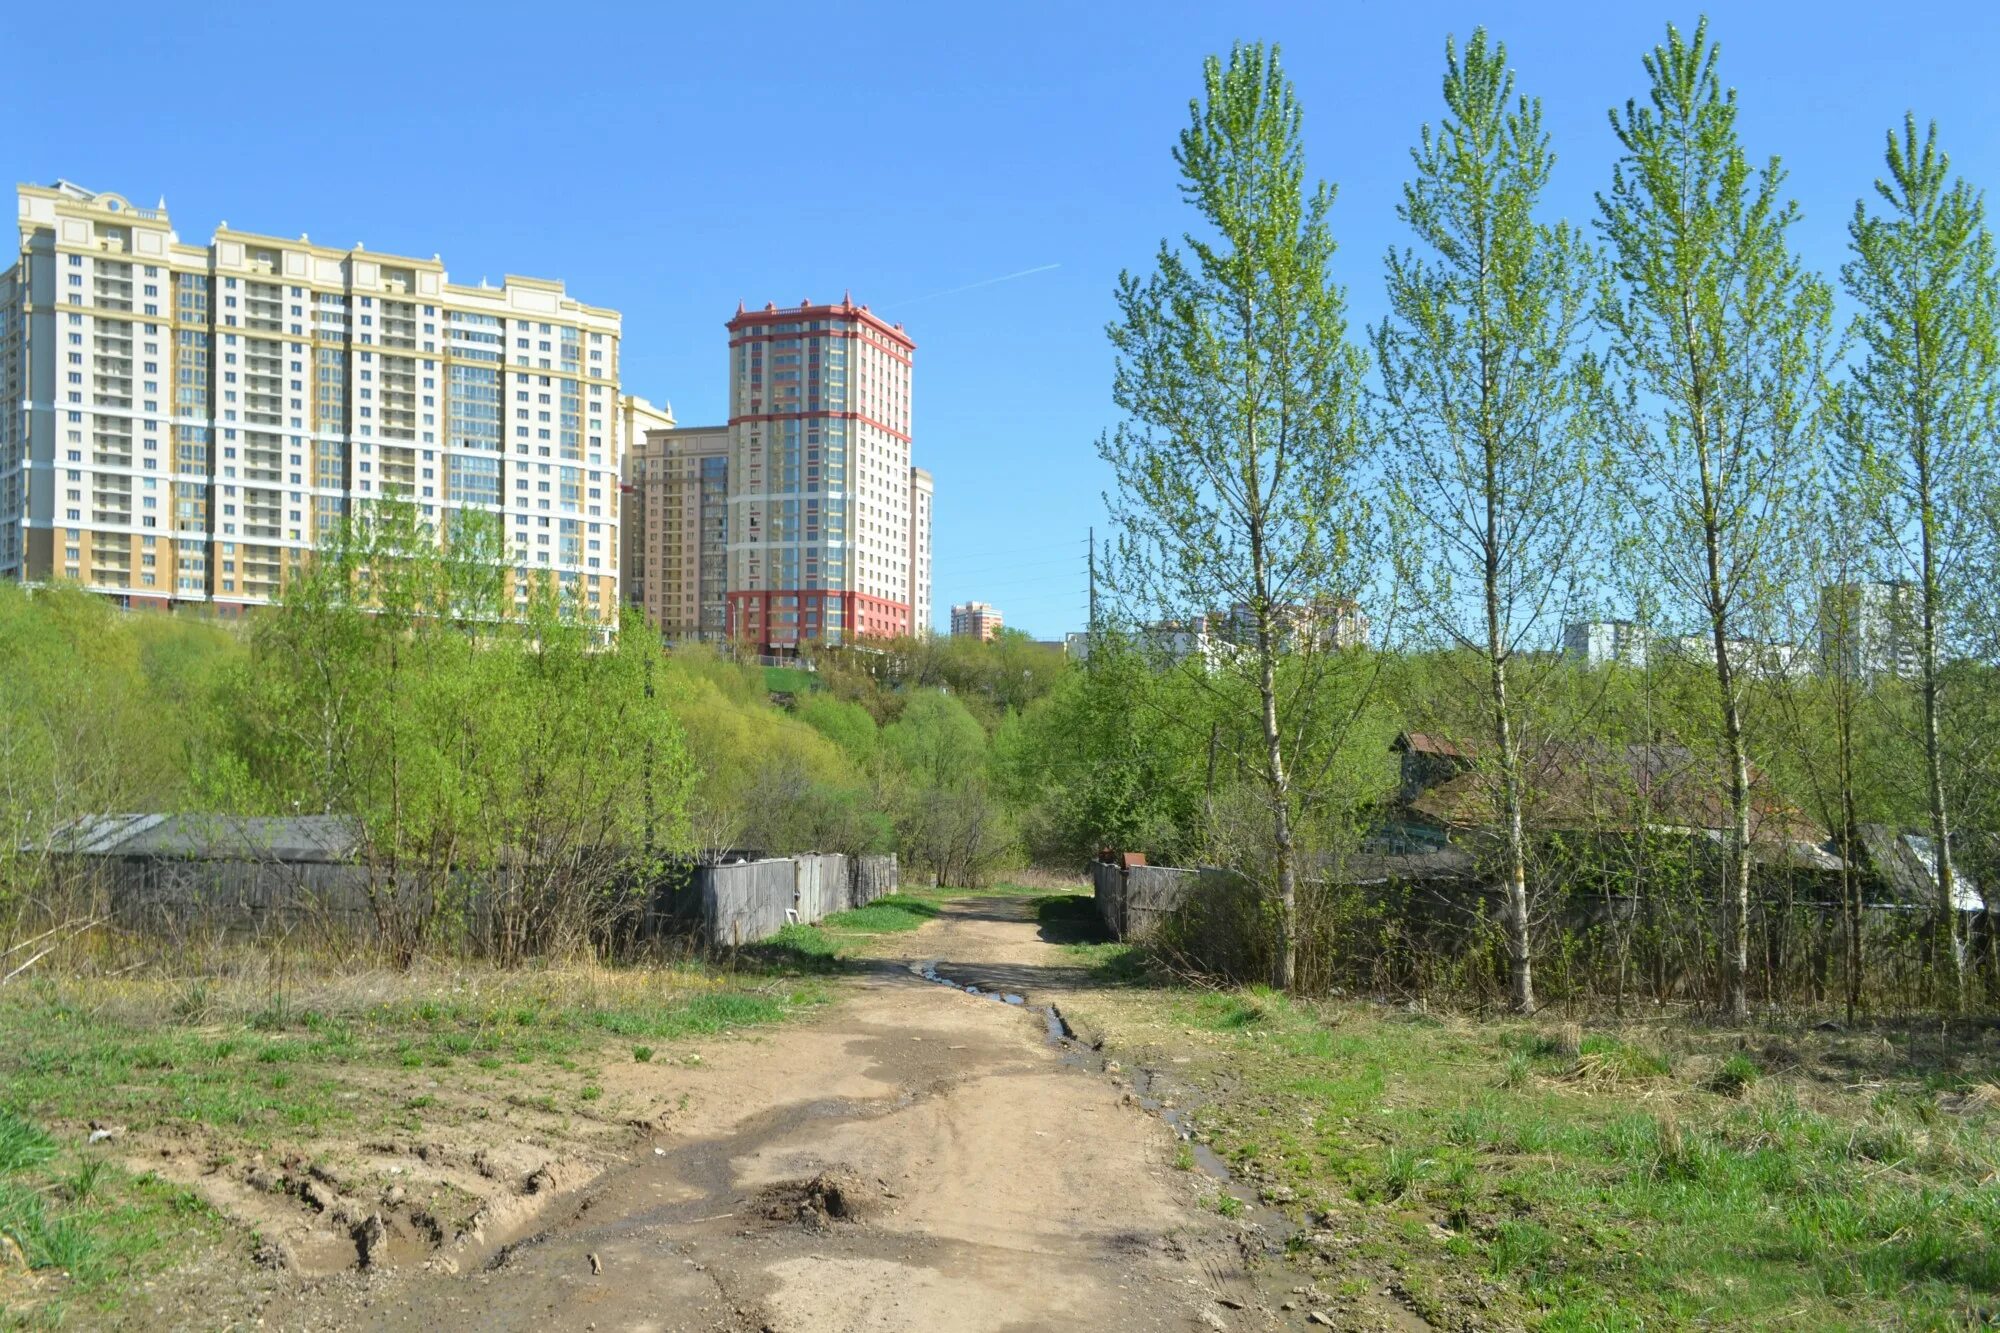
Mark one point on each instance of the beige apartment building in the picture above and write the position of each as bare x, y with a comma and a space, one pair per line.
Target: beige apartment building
975, 620
676, 530
184, 423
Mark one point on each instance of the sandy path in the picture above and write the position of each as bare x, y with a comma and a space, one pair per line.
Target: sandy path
992, 1183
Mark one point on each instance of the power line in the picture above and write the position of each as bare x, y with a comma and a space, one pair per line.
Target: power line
1007, 550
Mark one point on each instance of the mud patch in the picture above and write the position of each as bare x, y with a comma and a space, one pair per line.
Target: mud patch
819, 1203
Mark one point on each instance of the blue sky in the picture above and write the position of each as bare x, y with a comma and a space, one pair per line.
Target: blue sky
670, 160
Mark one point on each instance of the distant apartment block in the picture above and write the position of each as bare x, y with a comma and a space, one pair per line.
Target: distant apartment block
975, 620
1751, 658
1171, 642
1596, 643
824, 506
1870, 630
677, 530
1329, 626
184, 423
636, 416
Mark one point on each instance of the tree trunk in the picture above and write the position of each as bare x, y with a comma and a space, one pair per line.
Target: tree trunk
1520, 958
1736, 890
1281, 818
1950, 947
1850, 883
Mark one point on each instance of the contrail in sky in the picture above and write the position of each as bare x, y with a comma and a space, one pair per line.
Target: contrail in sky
984, 282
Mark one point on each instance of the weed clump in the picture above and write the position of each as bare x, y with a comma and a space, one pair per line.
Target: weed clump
1604, 1061
1737, 1075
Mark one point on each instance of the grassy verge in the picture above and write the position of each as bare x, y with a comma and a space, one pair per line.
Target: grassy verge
847, 934
1603, 1176
1071, 921
79, 1228
868, 931
241, 1066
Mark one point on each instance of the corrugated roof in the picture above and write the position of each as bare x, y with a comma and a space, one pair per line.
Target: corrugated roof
96, 834
289, 838
1443, 863
1587, 785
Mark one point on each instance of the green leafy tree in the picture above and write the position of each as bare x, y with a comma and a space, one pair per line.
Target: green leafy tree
514, 780
1718, 341
845, 723
949, 817
1491, 469
1113, 758
101, 712
1237, 466
937, 741
1927, 391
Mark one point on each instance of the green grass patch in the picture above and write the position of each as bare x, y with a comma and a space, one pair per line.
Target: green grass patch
87, 1227
1638, 1177
884, 916
789, 680
1071, 920
824, 946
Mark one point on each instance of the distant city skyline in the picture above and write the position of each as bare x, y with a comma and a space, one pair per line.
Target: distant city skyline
1015, 165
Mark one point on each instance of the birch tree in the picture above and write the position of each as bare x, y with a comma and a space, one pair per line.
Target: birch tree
1479, 357
1236, 466
1717, 344
1922, 274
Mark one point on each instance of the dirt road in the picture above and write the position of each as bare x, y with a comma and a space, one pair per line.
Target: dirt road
920, 1158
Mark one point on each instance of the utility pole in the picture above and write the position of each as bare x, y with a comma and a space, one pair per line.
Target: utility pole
1093, 582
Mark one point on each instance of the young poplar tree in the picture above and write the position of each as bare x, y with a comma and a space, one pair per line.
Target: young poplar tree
1236, 467
1491, 461
1717, 345
1928, 389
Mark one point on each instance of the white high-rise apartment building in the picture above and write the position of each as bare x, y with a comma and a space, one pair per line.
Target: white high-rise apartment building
184, 423
1871, 630
1595, 643
824, 507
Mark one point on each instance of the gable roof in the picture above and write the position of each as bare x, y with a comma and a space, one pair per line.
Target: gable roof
1423, 742
286, 838
1588, 785
1904, 863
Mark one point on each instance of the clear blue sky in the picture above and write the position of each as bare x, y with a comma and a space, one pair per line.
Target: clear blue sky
670, 160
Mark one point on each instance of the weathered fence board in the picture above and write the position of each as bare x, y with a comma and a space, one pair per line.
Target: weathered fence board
872, 876
1152, 893
745, 902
